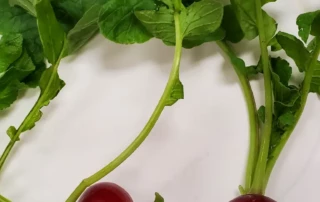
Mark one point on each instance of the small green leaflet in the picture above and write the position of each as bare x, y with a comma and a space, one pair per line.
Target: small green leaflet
246, 14
176, 94
118, 23
199, 23
11, 132
10, 50
295, 49
158, 198
309, 23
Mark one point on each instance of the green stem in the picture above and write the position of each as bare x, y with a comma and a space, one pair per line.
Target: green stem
3, 199
174, 75
252, 112
304, 97
259, 175
30, 116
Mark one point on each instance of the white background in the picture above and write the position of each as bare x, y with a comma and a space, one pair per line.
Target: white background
197, 151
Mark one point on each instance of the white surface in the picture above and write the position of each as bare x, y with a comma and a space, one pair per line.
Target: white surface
197, 151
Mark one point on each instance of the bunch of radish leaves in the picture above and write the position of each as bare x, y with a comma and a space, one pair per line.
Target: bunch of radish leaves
37, 34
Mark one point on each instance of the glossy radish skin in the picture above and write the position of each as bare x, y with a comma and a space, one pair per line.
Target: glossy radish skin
105, 192
252, 198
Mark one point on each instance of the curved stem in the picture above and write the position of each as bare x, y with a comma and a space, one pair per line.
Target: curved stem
252, 112
3, 199
259, 175
304, 97
174, 76
37, 106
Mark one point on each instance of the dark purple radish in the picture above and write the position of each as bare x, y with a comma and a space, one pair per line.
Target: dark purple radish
252, 198
105, 192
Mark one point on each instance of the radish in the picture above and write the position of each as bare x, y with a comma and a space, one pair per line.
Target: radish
105, 192
252, 198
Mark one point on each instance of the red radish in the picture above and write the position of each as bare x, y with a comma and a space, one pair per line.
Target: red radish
105, 192
252, 198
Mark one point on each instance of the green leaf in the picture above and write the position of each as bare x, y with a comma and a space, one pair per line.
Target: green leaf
168, 3
159, 23
308, 24
10, 81
79, 19
176, 93
315, 28
201, 18
50, 84
312, 45
246, 14
199, 23
193, 41
118, 23
315, 83
10, 50
231, 24
77, 8
33, 79
158, 198
295, 49
84, 30
51, 33
262, 114
9, 93
28, 5
15, 20
18, 70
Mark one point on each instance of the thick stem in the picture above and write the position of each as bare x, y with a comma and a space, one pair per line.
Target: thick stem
259, 175
174, 75
252, 112
30, 116
304, 97
3, 199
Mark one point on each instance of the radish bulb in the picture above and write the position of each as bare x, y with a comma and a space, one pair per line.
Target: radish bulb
105, 192
252, 198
